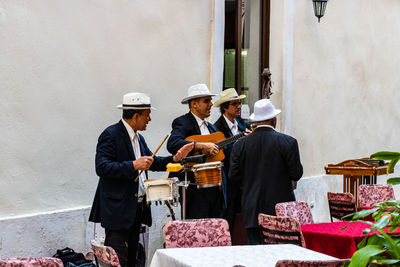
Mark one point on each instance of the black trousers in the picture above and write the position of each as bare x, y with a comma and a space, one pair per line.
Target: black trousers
203, 202
125, 241
254, 236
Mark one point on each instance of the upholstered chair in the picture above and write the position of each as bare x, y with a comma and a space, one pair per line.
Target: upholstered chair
295, 209
197, 233
280, 230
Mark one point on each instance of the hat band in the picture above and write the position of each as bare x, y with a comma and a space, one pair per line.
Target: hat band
137, 106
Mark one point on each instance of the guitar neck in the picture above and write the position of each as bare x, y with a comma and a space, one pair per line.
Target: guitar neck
229, 140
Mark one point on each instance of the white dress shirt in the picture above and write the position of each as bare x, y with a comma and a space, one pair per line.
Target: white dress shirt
203, 125
232, 126
265, 126
134, 137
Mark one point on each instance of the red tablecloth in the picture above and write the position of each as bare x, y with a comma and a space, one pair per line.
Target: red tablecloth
328, 238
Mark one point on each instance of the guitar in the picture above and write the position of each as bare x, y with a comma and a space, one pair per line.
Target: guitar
217, 138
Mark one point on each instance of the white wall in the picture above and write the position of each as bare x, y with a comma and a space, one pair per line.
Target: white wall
341, 75
64, 66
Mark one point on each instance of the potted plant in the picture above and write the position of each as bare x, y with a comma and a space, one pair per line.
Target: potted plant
381, 248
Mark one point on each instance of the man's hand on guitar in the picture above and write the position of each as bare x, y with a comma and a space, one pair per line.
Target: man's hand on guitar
183, 152
208, 148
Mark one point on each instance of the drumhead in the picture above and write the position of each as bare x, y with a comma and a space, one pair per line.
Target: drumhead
207, 165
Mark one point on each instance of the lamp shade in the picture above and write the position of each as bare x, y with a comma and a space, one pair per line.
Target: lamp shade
319, 8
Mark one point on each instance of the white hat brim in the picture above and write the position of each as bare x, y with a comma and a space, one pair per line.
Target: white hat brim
264, 118
220, 101
186, 99
135, 108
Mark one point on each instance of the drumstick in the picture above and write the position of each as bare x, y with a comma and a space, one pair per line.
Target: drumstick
158, 148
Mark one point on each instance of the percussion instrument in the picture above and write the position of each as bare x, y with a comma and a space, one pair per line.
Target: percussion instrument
161, 189
208, 174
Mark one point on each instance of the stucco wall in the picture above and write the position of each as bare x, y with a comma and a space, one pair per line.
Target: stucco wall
64, 66
342, 75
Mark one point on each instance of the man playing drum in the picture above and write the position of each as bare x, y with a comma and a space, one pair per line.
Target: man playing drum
200, 202
120, 202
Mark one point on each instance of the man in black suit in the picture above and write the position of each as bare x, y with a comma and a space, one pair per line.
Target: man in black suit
265, 163
203, 202
230, 123
120, 202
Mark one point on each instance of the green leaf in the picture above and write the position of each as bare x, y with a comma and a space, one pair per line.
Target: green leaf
387, 261
394, 247
391, 165
381, 223
361, 257
393, 180
386, 155
375, 240
364, 213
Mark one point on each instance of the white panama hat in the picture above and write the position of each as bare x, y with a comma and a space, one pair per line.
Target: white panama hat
227, 95
264, 110
135, 101
197, 91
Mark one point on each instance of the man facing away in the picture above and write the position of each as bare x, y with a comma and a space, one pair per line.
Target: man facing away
230, 124
265, 163
202, 202
120, 201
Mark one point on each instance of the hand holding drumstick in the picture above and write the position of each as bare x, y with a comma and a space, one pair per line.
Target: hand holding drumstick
144, 163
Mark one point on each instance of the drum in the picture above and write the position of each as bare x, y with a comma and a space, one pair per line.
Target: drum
208, 174
161, 189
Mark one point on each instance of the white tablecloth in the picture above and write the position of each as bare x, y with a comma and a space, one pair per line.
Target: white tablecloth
262, 255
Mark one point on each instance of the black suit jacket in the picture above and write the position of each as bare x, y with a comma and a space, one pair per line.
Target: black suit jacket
223, 127
264, 162
183, 127
115, 200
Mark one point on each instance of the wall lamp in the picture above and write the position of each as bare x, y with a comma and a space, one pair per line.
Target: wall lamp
319, 8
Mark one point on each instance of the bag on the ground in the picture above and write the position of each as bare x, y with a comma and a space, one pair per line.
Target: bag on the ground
71, 258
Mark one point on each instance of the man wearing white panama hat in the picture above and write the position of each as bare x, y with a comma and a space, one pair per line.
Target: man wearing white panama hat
265, 163
230, 123
119, 203
204, 202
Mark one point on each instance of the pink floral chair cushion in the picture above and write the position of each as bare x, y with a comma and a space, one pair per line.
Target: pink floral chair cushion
280, 230
197, 233
31, 262
295, 209
106, 256
341, 204
374, 193
299, 263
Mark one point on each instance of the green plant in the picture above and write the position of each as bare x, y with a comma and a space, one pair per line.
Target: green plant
380, 248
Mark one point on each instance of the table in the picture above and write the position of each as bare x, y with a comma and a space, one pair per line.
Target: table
261, 255
328, 238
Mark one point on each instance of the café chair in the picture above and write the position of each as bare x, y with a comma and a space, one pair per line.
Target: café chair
197, 233
341, 204
105, 256
280, 230
295, 209
374, 193
304, 263
31, 262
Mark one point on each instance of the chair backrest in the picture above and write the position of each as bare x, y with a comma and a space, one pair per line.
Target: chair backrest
300, 263
341, 204
280, 230
105, 255
295, 209
197, 233
374, 193
31, 262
